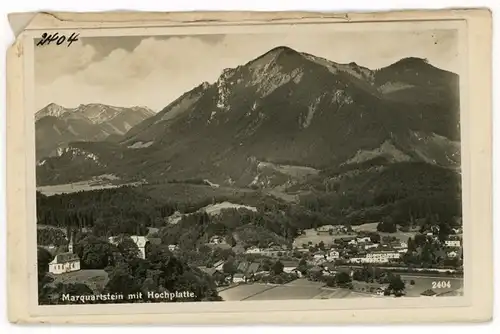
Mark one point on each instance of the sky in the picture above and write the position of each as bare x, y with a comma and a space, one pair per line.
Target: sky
153, 71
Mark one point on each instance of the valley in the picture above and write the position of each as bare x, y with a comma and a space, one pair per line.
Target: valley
322, 177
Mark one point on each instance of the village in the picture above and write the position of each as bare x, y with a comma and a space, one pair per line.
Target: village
349, 264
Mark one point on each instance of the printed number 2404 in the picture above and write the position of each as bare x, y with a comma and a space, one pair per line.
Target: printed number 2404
441, 285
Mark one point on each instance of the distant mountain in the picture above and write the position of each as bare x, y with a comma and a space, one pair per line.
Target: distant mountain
57, 126
290, 111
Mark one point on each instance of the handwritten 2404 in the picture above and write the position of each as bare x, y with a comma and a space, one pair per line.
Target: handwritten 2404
57, 39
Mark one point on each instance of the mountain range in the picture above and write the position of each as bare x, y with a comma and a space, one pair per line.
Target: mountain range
57, 126
282, 115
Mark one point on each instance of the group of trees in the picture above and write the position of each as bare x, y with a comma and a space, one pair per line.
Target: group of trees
387, 226
104, 212
127, 272
160, 271
251, 228
396, 194
51, 236
426, 252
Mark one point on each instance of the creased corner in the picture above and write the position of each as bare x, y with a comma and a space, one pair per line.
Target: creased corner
19, 21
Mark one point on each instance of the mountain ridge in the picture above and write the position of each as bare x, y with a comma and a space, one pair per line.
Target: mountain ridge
56, 126
287, 107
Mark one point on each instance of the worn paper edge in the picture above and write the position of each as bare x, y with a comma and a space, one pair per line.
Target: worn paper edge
479, 37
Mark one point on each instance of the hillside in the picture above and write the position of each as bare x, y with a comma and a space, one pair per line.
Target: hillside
283, 108
57, 126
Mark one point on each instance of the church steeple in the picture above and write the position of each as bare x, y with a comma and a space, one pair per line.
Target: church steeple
70, 245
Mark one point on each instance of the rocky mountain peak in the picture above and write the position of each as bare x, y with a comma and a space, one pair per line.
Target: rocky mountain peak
51, 109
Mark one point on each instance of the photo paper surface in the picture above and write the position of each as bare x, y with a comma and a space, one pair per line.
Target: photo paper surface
227, 167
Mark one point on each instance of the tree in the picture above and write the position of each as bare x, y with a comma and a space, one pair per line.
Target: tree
342, 278
122, 281
277, 268
387, 227
321, 245
43, 259
302, 267
94, 253
330, 281
411, 245
128, 248
375, 238
396, 285
229, 268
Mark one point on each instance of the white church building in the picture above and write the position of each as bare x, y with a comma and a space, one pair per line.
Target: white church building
65, 262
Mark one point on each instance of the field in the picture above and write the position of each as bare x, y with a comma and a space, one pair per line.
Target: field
72, 187
304, 289
106, 181
312, 235
372, 227
298, 289
242, 292
94, 278
425, 283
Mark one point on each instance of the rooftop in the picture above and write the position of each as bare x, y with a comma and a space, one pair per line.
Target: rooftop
65, 257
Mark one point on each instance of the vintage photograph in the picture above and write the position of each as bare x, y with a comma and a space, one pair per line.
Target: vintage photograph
248, 166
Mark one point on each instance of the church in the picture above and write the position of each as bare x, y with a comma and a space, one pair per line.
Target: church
65, 262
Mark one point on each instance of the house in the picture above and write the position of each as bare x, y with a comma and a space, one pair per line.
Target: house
329, 269
289, 266
296, 272
340, 229
253, 250
380, 291
352, 242
332, 255
253, 268
428, 293
452, 243
65, 262
218, 265
239, 278
370, 245
357, 260
218, 276
216, 240
319, 257
383, 256
376, 257
243, 266
324, 229
173, 248
363, 240
141, 242
452, 254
